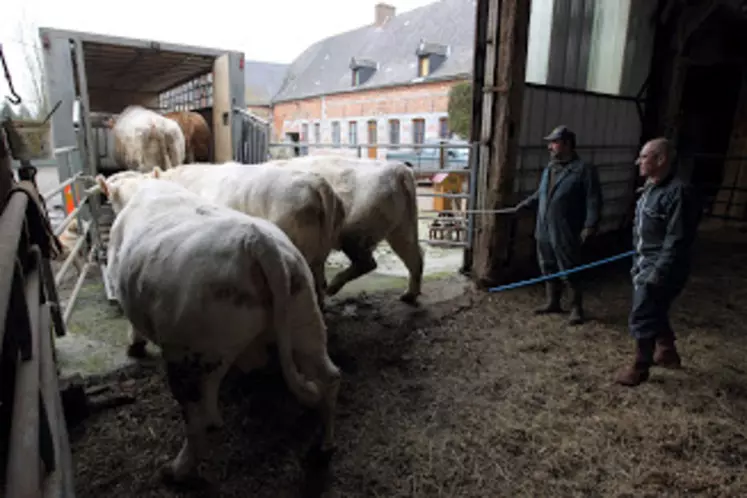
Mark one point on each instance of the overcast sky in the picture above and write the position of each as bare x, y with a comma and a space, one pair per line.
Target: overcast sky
273, 31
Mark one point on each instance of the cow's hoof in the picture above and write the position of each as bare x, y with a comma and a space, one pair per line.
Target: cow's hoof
320, 455
137, 350
409, 298
168, 476
333, 289
188, 482
214, 424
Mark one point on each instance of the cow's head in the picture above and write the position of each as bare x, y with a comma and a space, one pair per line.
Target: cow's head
118, 188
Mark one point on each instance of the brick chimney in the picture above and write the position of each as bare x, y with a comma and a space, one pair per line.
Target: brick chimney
383, 12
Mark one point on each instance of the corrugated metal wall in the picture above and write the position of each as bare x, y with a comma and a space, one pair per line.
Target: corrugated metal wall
608, 131
586, 62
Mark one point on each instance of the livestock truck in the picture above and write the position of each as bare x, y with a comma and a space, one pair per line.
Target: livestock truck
91, 77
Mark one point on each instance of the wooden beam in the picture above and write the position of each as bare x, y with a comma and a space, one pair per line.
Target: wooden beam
507, 38
478, 79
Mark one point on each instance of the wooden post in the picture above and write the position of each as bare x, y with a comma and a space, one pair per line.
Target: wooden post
503, 87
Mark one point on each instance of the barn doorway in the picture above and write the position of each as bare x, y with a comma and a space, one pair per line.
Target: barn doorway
709, 100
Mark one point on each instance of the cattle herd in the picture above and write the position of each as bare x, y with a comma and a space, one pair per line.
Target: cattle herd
215, 262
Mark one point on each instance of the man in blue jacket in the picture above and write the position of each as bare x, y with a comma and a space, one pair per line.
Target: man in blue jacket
569, 202
666, 220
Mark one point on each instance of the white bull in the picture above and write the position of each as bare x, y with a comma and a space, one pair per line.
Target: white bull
203, 282
380, 204
302, 204
144, 139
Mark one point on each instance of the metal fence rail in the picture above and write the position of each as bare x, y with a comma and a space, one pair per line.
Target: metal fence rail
34, 446
81, 203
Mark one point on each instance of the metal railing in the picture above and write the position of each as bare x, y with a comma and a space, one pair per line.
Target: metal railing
254, 139
456, 225
35, 447
81, 203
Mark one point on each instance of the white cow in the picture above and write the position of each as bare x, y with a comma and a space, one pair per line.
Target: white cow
144, 139
301, 203
380, 200
203, 282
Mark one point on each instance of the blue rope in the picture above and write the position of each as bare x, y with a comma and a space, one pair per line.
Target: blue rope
531, 281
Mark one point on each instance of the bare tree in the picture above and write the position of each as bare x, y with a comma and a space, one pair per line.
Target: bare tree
27, 36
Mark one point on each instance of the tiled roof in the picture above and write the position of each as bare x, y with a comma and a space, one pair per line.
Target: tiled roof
324, 68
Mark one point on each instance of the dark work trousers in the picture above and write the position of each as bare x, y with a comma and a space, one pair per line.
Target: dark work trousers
649, 315
554, 258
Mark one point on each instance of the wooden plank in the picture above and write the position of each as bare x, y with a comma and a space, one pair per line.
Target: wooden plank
60, 482
496, 184
24, 465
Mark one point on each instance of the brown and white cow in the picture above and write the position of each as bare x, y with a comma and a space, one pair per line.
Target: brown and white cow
301, 203
144, 139
197, 136
203, 282
380, 200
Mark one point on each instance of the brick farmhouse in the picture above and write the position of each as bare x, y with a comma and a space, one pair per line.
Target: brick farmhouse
385, 83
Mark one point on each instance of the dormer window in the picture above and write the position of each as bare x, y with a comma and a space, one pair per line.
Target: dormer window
430, 57
362, 70
423, 66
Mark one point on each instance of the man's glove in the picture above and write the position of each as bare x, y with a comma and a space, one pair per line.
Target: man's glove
653, 279
587, 232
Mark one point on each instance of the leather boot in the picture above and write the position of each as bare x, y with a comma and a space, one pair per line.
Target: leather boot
553, 290
577, 311
638, 372
666, 355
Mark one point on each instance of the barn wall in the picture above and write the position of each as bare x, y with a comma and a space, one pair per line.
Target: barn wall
608, 131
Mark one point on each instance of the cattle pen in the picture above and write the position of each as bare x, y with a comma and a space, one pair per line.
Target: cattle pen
470, 393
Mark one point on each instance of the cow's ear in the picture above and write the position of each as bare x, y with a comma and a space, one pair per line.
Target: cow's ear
101, 184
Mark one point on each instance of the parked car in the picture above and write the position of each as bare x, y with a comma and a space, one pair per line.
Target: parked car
427, 158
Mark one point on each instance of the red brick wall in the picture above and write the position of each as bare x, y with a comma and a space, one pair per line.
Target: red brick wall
263, 111
413, 99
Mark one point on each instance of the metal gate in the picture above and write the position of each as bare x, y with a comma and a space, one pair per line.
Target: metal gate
254, 139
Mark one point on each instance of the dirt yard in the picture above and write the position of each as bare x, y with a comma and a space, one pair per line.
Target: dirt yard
471, 397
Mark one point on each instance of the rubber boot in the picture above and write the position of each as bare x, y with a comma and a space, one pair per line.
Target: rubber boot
577, 311
553, 290
666, 355
638, 372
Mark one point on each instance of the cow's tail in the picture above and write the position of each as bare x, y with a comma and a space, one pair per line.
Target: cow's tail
406, 181
158, 137
279, 280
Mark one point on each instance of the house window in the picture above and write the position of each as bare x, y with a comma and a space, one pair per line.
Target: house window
336, 132
353, 133
394, 132
423, 66
418, 131
305, 132
356, 77
443, 128
317, 132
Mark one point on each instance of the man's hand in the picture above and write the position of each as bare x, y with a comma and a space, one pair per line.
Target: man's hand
653, 279
588, 232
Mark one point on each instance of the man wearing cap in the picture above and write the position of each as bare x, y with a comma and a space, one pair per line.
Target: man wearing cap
569, 203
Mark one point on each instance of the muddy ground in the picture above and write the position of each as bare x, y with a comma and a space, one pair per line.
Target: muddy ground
473, 397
